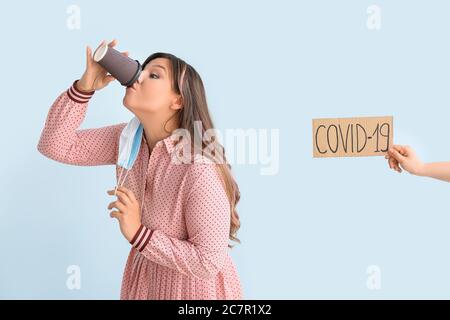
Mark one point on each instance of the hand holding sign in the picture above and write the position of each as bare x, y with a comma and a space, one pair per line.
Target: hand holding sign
406, 158
371, 136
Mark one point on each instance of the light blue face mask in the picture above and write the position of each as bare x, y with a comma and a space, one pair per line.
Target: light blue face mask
129, 145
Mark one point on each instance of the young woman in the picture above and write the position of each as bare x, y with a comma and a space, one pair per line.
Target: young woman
404, 157
177, 218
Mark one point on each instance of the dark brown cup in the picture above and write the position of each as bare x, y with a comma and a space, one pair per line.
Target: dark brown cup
121, 67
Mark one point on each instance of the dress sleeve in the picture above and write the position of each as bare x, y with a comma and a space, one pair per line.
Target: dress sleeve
62, 141
207, 216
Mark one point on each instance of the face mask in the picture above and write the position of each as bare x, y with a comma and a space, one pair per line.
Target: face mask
129, 144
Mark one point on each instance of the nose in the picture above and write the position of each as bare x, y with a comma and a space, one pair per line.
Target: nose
141, 76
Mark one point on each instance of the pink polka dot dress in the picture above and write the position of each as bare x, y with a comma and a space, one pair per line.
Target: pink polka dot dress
181, 249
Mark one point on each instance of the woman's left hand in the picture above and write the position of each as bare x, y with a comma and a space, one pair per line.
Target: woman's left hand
128, 211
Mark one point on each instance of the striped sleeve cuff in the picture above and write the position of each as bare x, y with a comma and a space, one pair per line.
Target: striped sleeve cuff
77, 95
141, 238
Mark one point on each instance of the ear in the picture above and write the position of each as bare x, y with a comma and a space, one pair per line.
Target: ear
177, 103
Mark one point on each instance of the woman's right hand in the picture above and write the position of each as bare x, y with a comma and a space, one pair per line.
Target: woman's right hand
406, 158
95, 77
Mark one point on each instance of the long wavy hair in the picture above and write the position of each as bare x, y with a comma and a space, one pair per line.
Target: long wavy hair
187, 82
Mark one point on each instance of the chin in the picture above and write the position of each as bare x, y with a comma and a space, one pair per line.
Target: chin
127, 102
131, 106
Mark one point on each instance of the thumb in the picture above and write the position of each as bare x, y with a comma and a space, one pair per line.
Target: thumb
88, 55
109, 78
397, 156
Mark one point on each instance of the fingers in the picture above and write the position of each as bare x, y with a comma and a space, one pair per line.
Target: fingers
118, 205
116, 214
122, 196
88, 55
393, 152
113, 43
393, 163
101, 43
109, 78
397, 159
129, 193
126, 198
397, 167
403, 150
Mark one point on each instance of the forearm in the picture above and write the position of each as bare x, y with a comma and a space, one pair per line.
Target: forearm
436, 170
63, 119
62, 139
187, 257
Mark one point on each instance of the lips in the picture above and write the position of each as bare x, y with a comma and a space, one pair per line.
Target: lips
132, 87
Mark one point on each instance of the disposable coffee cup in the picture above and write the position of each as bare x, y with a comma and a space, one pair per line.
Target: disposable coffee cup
121, 67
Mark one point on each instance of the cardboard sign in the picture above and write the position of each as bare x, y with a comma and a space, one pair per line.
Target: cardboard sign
352, 137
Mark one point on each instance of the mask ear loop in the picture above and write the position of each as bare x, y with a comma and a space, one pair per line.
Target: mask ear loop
118, 182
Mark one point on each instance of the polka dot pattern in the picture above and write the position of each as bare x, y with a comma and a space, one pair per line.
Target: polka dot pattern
184, 205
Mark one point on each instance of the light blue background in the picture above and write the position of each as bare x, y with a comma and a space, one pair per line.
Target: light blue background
309, 232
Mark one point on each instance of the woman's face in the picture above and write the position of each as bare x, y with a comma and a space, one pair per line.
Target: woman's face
153, 92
